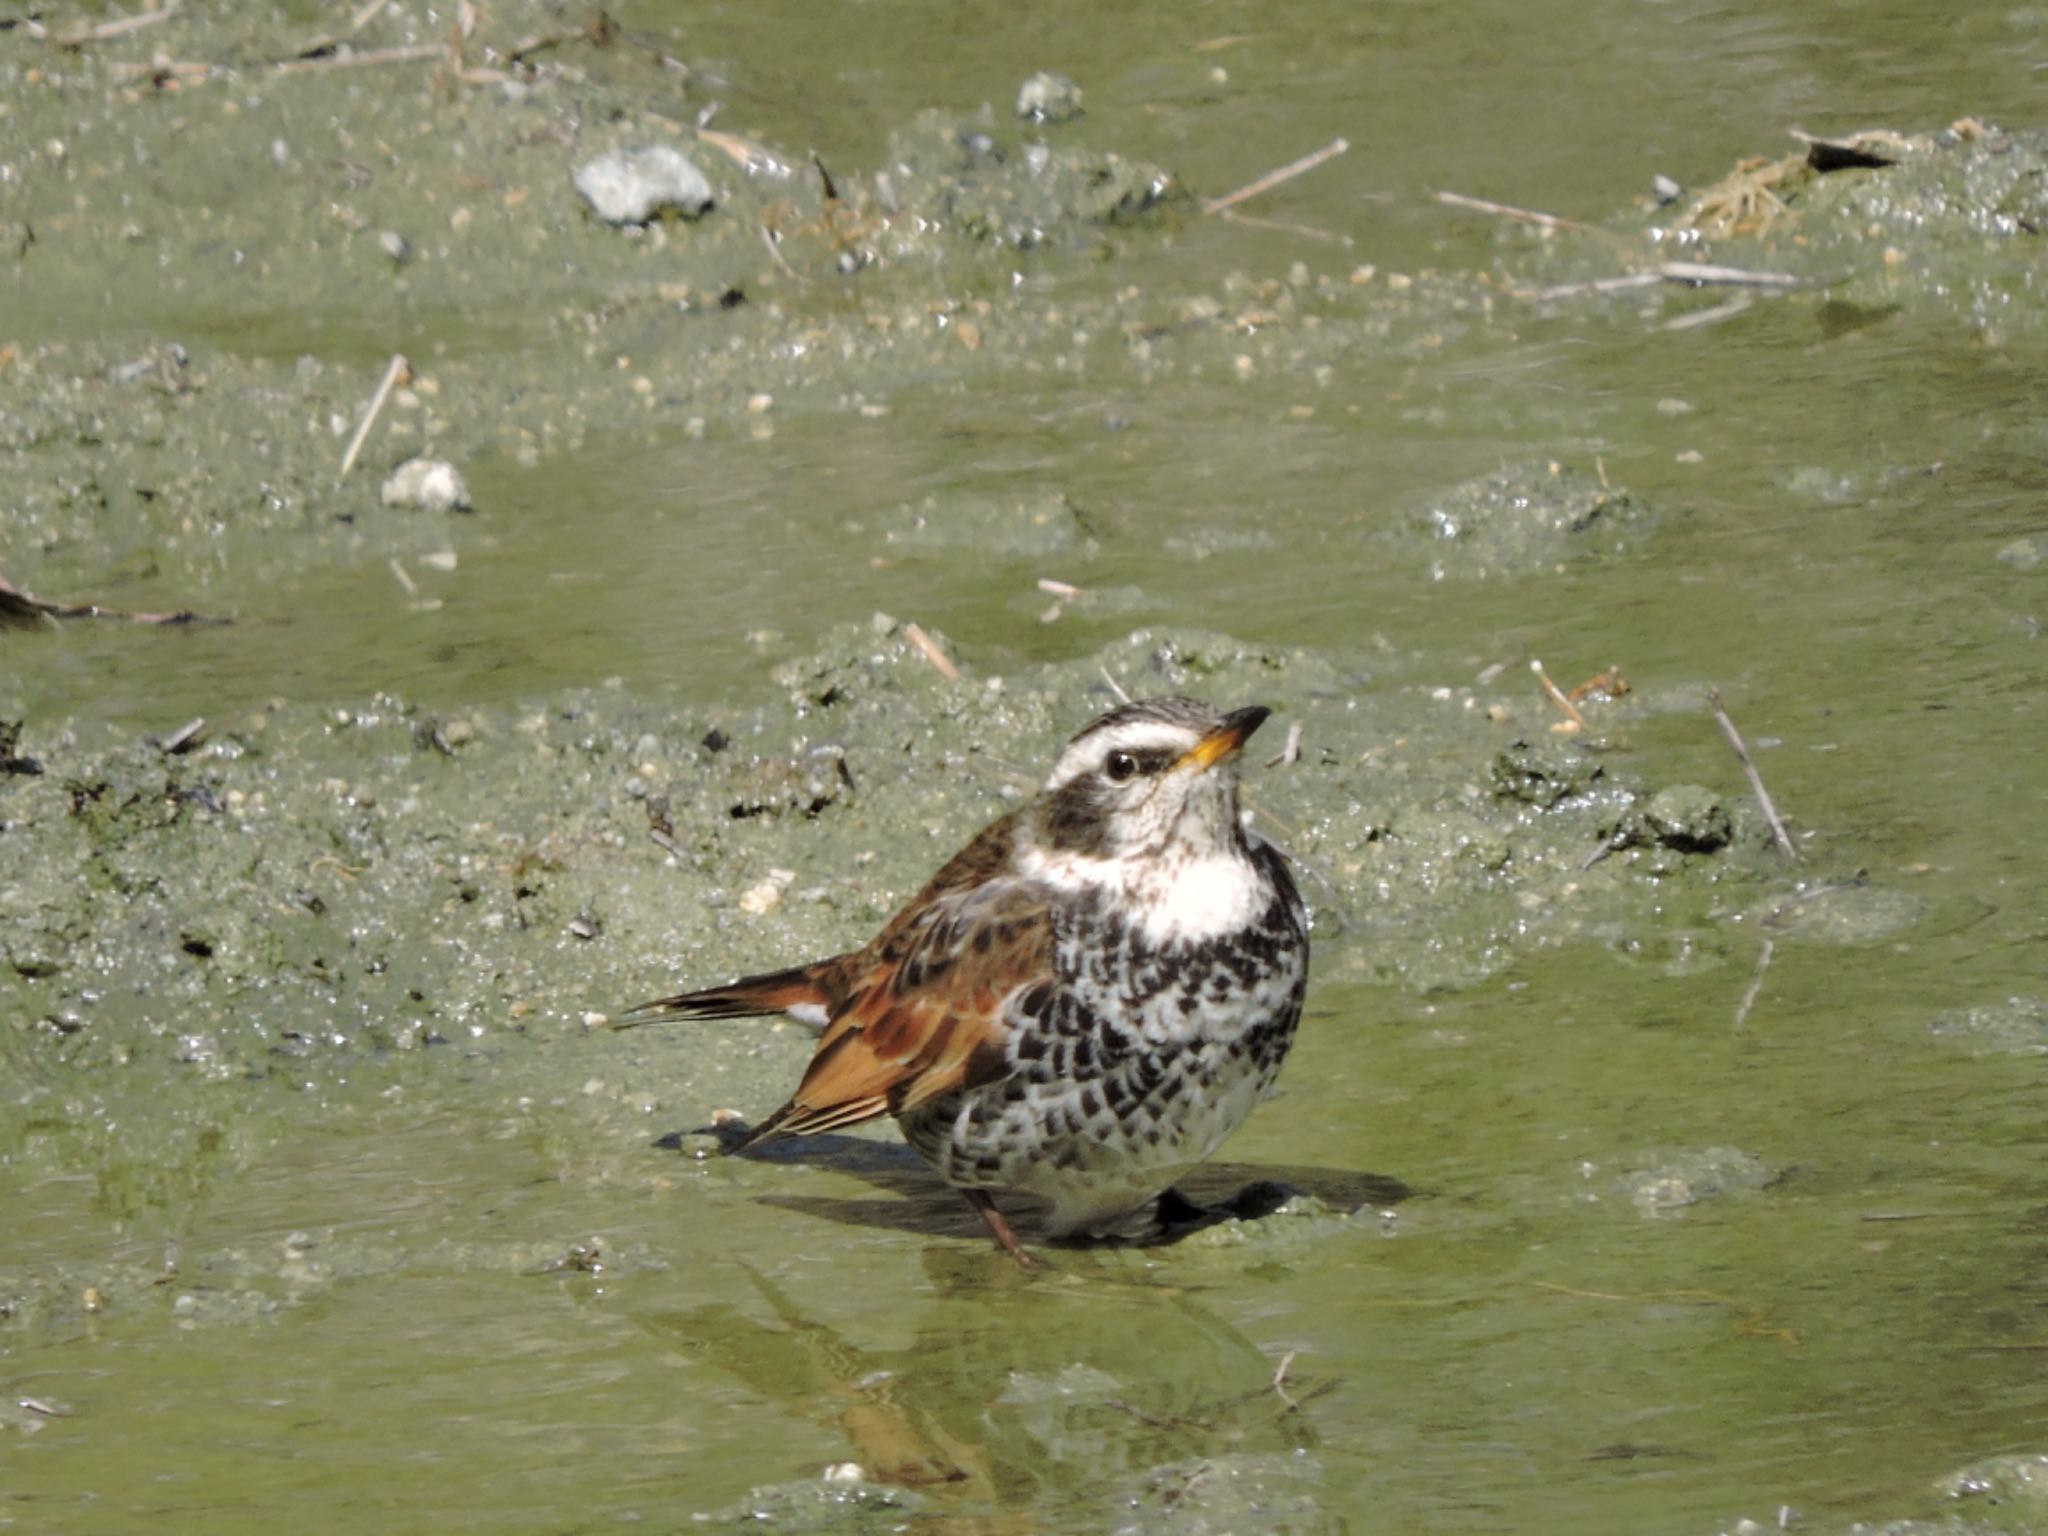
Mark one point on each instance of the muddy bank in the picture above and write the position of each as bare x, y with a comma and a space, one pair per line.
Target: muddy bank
298, 205
297, 906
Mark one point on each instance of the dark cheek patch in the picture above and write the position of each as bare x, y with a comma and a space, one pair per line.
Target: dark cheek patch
1074, 820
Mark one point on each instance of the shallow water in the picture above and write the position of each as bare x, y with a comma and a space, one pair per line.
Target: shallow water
1689, 1220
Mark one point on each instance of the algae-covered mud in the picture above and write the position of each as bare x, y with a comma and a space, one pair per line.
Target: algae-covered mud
512, 511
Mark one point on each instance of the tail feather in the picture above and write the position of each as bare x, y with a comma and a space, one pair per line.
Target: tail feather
799, 990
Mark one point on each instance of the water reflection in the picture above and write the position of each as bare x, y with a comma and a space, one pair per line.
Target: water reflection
1015, 1392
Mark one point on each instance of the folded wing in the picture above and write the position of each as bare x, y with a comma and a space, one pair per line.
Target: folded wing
927, 1013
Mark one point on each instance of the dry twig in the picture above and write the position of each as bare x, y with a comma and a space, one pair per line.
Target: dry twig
1557, 696
1712, 272
1519, 215
773, 241
120, 26
1694, 274
1280, 1378
1756, 779
750, 155
929, 649
1756, 984
183, 739
1728, 309
397, 370
20, 607
1621, 284
1289, 753
1274, 178
412, 53
1618, 839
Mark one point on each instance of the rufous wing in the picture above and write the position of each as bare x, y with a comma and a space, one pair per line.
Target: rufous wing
928, 1016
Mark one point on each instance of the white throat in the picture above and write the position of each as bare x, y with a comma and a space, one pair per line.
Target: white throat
1182, 901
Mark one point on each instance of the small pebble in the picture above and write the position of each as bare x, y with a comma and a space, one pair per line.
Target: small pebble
433, 485
1049, 98
760, 899
2026, 553
633, 186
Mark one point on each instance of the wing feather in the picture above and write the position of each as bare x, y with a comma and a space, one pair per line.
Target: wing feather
928, 1018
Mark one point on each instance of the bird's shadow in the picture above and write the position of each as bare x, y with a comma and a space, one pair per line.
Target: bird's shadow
922, 1204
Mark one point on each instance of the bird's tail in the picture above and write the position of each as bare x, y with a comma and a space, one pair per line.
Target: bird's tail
798, 991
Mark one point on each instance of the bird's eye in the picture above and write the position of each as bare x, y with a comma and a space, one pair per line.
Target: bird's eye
1120, 766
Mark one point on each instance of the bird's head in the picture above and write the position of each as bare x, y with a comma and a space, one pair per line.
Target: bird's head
1153, 777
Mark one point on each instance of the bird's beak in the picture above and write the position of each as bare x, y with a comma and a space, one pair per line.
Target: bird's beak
1220, 743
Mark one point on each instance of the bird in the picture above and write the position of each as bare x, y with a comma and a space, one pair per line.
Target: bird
1082, 1004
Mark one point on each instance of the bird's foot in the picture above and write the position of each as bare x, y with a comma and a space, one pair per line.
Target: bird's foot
1000, 1228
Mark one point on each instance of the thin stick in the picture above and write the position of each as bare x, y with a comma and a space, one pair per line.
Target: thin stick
774, 243
1291, 752
182, 739
929, 648
1280, 1378
1058, 588
361, 19
746, 153
1557, 696
1618, 839
404, 580
1510, 211
1693, 274
1115, 687
397, 369
1598, 285
117, 27
411, 54
1705, 272
1756, 780
1726, 310
1756, 984
19, 606
1272, 179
